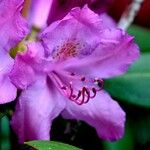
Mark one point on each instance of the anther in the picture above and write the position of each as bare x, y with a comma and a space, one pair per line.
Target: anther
78, 96
94, 93
64, 88
100, 84
83, 79
71, 92
87, 92
72, 74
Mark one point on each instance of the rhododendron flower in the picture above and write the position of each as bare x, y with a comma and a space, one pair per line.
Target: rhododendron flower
13, 29
63, 73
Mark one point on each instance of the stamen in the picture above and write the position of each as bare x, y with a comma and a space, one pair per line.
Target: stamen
80, 102
79, 94
64, 88
94, 92
83, 95
71, 92
87, 92
100, 84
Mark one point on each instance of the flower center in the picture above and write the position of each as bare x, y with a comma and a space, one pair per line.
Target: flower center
67, 49
83, 94
86, 93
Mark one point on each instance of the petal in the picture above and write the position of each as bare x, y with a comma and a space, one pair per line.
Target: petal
108, 52
38, 105
108, 21
113, 56
13, 26
76, 27
7, 89
28, 65
102, 113
38, 13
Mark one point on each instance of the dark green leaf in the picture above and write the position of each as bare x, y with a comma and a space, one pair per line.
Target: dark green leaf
134, 86
50, 145
4, 134
142, 37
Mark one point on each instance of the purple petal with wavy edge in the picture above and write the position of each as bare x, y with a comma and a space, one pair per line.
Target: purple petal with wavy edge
38, 105
82, 43
7, 89
78, 25
112, 57
108, 21
102, 113
13, 26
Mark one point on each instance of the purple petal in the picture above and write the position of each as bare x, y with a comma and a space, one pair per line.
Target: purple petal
13, 26
103, 113
82, 43
108, 21
77, 26
28, 65
113, 56
38, 13
38, 105
7, 89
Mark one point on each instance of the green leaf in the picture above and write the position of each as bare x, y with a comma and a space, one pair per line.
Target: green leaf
134, 86
142, 37
50, 145
4, 134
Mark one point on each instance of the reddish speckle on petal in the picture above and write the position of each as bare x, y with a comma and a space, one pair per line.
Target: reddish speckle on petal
68, 49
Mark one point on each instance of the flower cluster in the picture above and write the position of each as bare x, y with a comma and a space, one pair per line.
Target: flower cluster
63, 70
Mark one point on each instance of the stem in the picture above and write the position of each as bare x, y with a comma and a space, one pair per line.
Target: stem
130, 13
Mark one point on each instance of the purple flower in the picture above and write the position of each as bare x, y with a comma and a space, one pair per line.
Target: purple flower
64, 73
13, 29
7, 89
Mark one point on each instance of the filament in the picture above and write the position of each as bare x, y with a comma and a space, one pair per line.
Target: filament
82, 95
